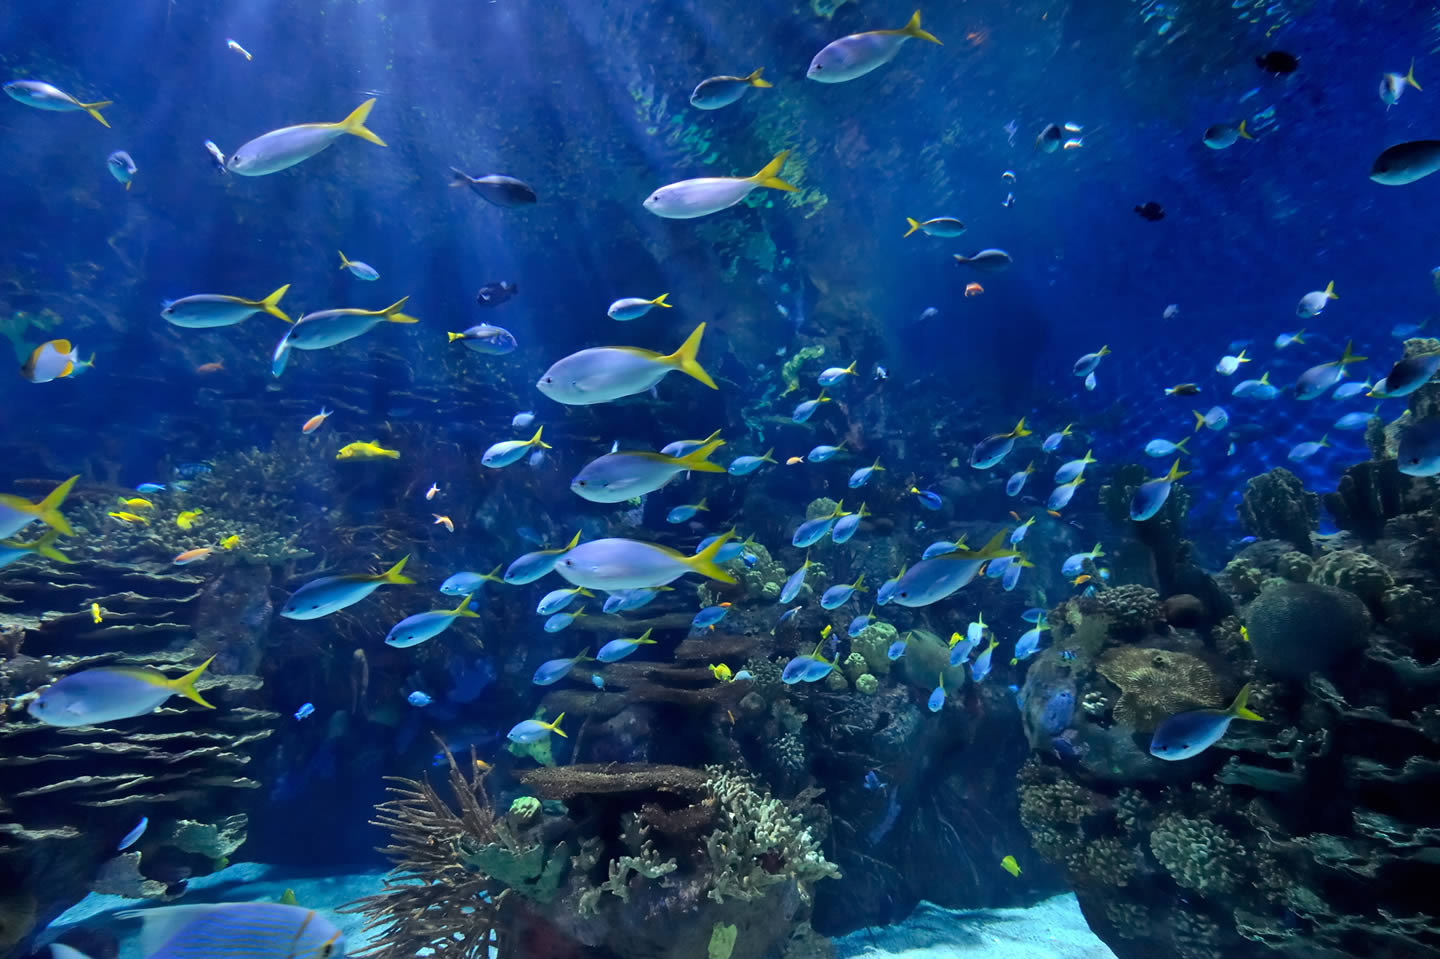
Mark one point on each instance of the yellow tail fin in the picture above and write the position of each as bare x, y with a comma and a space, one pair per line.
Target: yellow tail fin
755, 81
1199, 419
914, 225
1330, 293
769, 174
698, 459
47, 510
354, 124
769, 456
537, 441
554, 727
344, 260
94, 110
660, 301
394, 577
1237, 708
703, 562
912, 29
185, 685
271, 303
392, 313
45, 546
1245, 134
684, 360
464, 609
1409, 77
1175, 472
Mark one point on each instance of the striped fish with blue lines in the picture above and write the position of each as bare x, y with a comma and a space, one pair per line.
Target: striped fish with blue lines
236, 930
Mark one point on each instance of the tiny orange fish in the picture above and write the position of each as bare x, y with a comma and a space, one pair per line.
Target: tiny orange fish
192, 556
205, 369
795, 461
443, 521
973, 289
1081, 580
430, 493
313, 423
1015, 516
1054, 512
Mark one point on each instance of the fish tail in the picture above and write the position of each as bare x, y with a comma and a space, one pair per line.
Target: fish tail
537, 441
47, 510
1409, 76
185, 685
660, 301
271, 303
645, 637
755, 80
394, 577
1020, 429
1175, 472
1181, 445
128, 184
94, 110
45, 546
554, 727
1199, 419
459, 177
704, 563
701, 506
1330, 293
464, 609
769, 174
914, 225
354, 124
1349, 357
1244, 134
698, 459
344, 261
684, 360
392, 313
912, 29
455, 336
1237, 708
769, 456
1299, 337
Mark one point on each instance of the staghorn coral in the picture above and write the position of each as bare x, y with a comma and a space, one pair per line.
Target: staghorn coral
647, 864
1198, 854
1275, 505
755, 830
1355, 572
1132, 609
1155, 684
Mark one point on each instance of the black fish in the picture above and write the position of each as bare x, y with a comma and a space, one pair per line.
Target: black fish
493, 294
1278, 61
1151, 211
500, 190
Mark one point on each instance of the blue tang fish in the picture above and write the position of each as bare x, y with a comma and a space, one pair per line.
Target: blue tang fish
109, 693
329, 594
1191, 733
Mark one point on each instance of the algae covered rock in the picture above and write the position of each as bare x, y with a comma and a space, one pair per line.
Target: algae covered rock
1275, 505
1355, 572
1299, 628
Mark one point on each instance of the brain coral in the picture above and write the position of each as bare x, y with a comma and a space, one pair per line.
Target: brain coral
1297, 628
1156, 683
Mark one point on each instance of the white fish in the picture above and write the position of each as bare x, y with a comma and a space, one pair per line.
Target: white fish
522, 420
716, 92
234, 45
206, 310
283, 148
688, 199
857, 54
604, 373
1392, 85
1229, 364
327, 328
1216, 418
1285, 339
43, 96
1312, 303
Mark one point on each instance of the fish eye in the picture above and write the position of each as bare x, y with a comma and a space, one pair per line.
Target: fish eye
581, 482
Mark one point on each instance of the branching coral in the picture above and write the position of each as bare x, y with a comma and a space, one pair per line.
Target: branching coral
758, 842
1199, 855
1132, 609
1156, 683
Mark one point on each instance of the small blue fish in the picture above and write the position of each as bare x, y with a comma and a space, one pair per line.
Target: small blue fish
821, 453
533, 730
847, 526
1068, 655
872, 781
305, 711
1160, 447
810, 668
1074, 565
422, 627
363, 271
743, 675
150, 488
807, 409
1260, 389
1028, 643
1356, 421
731, 550
618, 649
597, 680
1074, 468
192, 470
786, 617
992, 449
622, 600
928, 498
861, 623
981, 667
1033, 615
1052, 442
329, 594
1016, 483
745, 465
997, 568
557, 599
794, 583
960, 649
533, 566
1151, 495
835, 375
1011, 578
886, 592
1019, 532
463, 584
682, 513
133, 836
709, 616
1191, 733
812, 531
418, 699
1215, 418
975, 632
1303, 451
937, 697
881, 373
1346, 390
839, 595
862, 476
553, 670
562, 620
897, 648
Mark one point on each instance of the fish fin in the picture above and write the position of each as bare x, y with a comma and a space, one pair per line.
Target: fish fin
1299, 336
271, 303
185, 685
703, 562
537, 441
914, 225
574, 540
128, 184
1181, 445
769, 174
645, 637
1347, 357
1409, 76
94, 110
1020, 429
1330, 293
554, 726
344, 262
1199, 419
912, 29
45, 546
1245, 134
392, 313
1175, 472
394, 577
162, 923
47, 510
464, 609
455, 336
354, 124
459, 177
684, 360
755, 80
1238, 710
660, 301
769, 456
698, 459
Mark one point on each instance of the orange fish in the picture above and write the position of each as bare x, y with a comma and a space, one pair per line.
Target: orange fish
205, 368
1054, 512
1015, 516
973, 289
192, 556
795, 461
313, 423
1081, 580
430, 493
443, 521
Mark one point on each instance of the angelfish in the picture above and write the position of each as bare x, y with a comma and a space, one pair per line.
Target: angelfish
688, 199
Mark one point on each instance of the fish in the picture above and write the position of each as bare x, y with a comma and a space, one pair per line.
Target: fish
615, 563
886, 592
847, 526
1356, 421
731, 550
507, 452
1346, 390
1052, 442
1159, 447
95, 614
862, 476
305, 711
43, 96
745, 465
205, 369
709, 616
794, 583
853, 56
557, 599
1418, 452
812, 531
444, 521
132, 518
623, 475
809, 668
942, 546
1392, 85
987, 261
416, 629
929, 499
522, 420
150, 488
944, 227
314, 422
1028, 643
259, 930
721, 672
606, 373
992, 449
235, 46
496, 189
873, 781
632, 308
981, 667
713, 93
361, 450
1283, 340
133, 836
419, 699
1074, 468
1191, 733
192, 556
283, 148
1278, 62
1182, 389
1221, 136
1314, 302
1076, 561
204, 311
897, 648
1315, 381
618, 649
53, 360
937, 696
807, 409
493, 294
861, 623
688, 199
1090, 382
1016, 483
1260, 389
1149, 210
1021, 530
932, 580
961, 647
363, 271
463, 584
1151, 495
534, 730
786, 617
1061, 495
532, 566
122, 167
13, 550
187, 518
1011, 577
1087, 363
1229, 364
1403, 331
1033, 615
795, 461
1049, 137
1407, 376
681, 514
1303, 451
111, 693
329, 594
839, 595
327, 328
835, 375
217, 156
230, 542
821, 453
1215, 418
1011, 866
552, 671
487, 339
432, 491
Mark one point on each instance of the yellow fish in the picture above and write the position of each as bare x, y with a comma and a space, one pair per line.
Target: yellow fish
130, 518
95, 612
721, 672
443, 521
231, 541
137, 502
187, 519
366, 451
1244, 634
1010, 865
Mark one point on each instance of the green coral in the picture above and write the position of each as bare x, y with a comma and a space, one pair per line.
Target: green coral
758, 842
524, 808
873, 642
867, 684
854, 666
790, 372
722, 941
530, 871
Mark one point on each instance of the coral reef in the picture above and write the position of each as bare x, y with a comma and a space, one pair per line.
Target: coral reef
1297, 628
1155, 684
1275, 505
